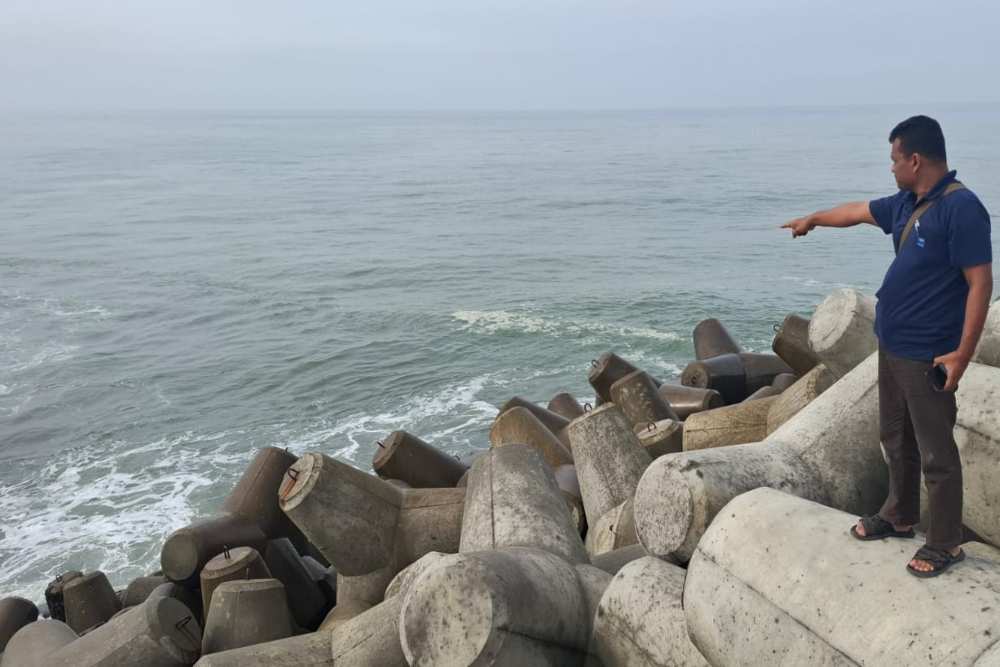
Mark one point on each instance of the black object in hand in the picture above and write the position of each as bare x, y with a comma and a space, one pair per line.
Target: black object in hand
938, 376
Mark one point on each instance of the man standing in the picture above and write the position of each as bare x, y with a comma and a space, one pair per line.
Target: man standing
931, 309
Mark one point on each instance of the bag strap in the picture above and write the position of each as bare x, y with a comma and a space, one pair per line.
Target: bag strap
923, 208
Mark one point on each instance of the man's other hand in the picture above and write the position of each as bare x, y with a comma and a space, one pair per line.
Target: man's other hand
955, 364
799, 226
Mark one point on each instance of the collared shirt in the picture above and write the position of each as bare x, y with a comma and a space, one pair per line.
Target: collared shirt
921, 304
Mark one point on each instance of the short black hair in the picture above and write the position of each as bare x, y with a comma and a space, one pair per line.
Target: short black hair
920, 134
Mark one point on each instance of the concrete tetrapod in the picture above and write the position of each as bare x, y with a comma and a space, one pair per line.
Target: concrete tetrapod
569, 485
606, 370
686, 401
613, 561
988, 350
90, 601
255, 495
640, 620
54, 594
712, 339
636, 394
829, 452
791, 343
783, 381
663, 437
140, 588
309, 650
554, 422
565, 405
520, 426
731, 425
798, 396
517, 606
724, 373
827, 599
614, 530
361, 523
406, 457
32, 645
305, 599
841, 331
160, 632
371, 638
763, 392
245, 612
15, 613
513, 501
231, 565
608, 457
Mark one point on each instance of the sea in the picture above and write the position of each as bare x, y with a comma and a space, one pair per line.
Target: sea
180, 288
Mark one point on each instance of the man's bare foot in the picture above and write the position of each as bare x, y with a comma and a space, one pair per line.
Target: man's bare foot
924, 566
860, 529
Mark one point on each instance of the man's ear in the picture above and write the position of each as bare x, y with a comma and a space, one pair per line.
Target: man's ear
916, 161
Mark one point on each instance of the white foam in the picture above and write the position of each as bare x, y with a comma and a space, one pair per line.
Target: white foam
490, 322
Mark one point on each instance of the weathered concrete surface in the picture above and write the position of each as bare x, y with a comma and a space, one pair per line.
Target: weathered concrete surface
988, 350
513, 607
371, 638
160, 632
429, 520
827, 599
15, 613
186, 550
140, 588
305, 599
402, 581
605, 371
54, 594
791, 343
613, 561
569, 485
565, 405
614, 530
342, 613
663, 437
519, 426
712, 339
90, 600
608, 457
829, 452
636, 394
724, 373
369, 588
783, 381
552, 421
246, 612
731, 425
308, 650
762, 369
513, 501
640, 620
32, 645
841, 330
686, 401
798, 396
231, 565
255, 495
406, 457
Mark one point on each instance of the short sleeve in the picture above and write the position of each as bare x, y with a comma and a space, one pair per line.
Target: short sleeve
969, 233
884, 210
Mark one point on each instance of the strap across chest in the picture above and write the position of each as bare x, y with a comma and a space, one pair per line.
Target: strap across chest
923, 208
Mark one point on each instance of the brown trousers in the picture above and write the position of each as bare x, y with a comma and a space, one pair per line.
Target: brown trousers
917, 430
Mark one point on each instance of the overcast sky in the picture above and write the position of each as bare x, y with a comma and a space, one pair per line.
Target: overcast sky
494, 54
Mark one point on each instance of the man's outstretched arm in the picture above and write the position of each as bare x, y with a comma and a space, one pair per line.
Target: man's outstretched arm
845, 215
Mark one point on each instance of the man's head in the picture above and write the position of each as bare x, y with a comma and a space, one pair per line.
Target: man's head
917, 151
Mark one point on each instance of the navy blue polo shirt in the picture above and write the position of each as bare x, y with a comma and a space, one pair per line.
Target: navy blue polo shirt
921, 304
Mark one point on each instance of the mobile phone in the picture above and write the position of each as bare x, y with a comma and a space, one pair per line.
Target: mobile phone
938, 376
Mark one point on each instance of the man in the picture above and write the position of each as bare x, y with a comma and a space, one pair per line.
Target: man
931, 309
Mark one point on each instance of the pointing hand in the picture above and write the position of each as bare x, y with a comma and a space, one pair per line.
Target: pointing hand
799, 227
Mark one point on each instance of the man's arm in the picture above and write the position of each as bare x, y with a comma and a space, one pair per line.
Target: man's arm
977, 305
845, 215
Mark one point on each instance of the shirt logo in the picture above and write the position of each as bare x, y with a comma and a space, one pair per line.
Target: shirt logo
920, 239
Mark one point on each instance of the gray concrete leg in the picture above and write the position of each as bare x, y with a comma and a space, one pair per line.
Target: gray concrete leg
686, 401
829, 452
520, 426
429, 520
613, 561
255, 495
732, 425
605, 371
139, 589
90, 601
712, 339
368, 588
552, 421
406, 577
798, 396
187, 597
640, 620
569, 485
54, 594
783, 381
565, 405
33, 644
308, 650
609, 459
15, 613
760, 370
160, 632
636, 394
371, 638
325, 578
614, 530
663, 437
791, 343
406, 457
841, 331
724, 373
516, 606
305, 599
513, 500
231, 565
246, 612
342, 613
186, 550
763, 392
825, 598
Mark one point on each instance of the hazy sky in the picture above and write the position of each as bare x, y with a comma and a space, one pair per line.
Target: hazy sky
494, 54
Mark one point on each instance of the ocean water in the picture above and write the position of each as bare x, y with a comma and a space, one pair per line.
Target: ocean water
180, 289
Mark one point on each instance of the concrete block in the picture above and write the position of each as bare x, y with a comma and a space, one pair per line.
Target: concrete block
791, 343
637, 395
732, 425
613, 561
308, 650
552, 421
305, 599
140, 588
33, 644
826, 598
520, 426
614, 530
255, 496
686, 401
640, 620
763, 392
186, 551
712, 339
90, 601
406, 457
342, 613
798, 396
608, 457
605, 371
841, 331
239, 563
565, 405
663, 437
15, 613
246, 612
54, 594
988, 350
724, 373
371, 638
783, 381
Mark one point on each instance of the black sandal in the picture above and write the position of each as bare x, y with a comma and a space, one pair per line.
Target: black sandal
940, 560
876, 528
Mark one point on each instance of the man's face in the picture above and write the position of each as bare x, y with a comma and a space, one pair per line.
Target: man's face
904, 167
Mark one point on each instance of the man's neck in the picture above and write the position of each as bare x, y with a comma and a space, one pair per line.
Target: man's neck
927, 181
